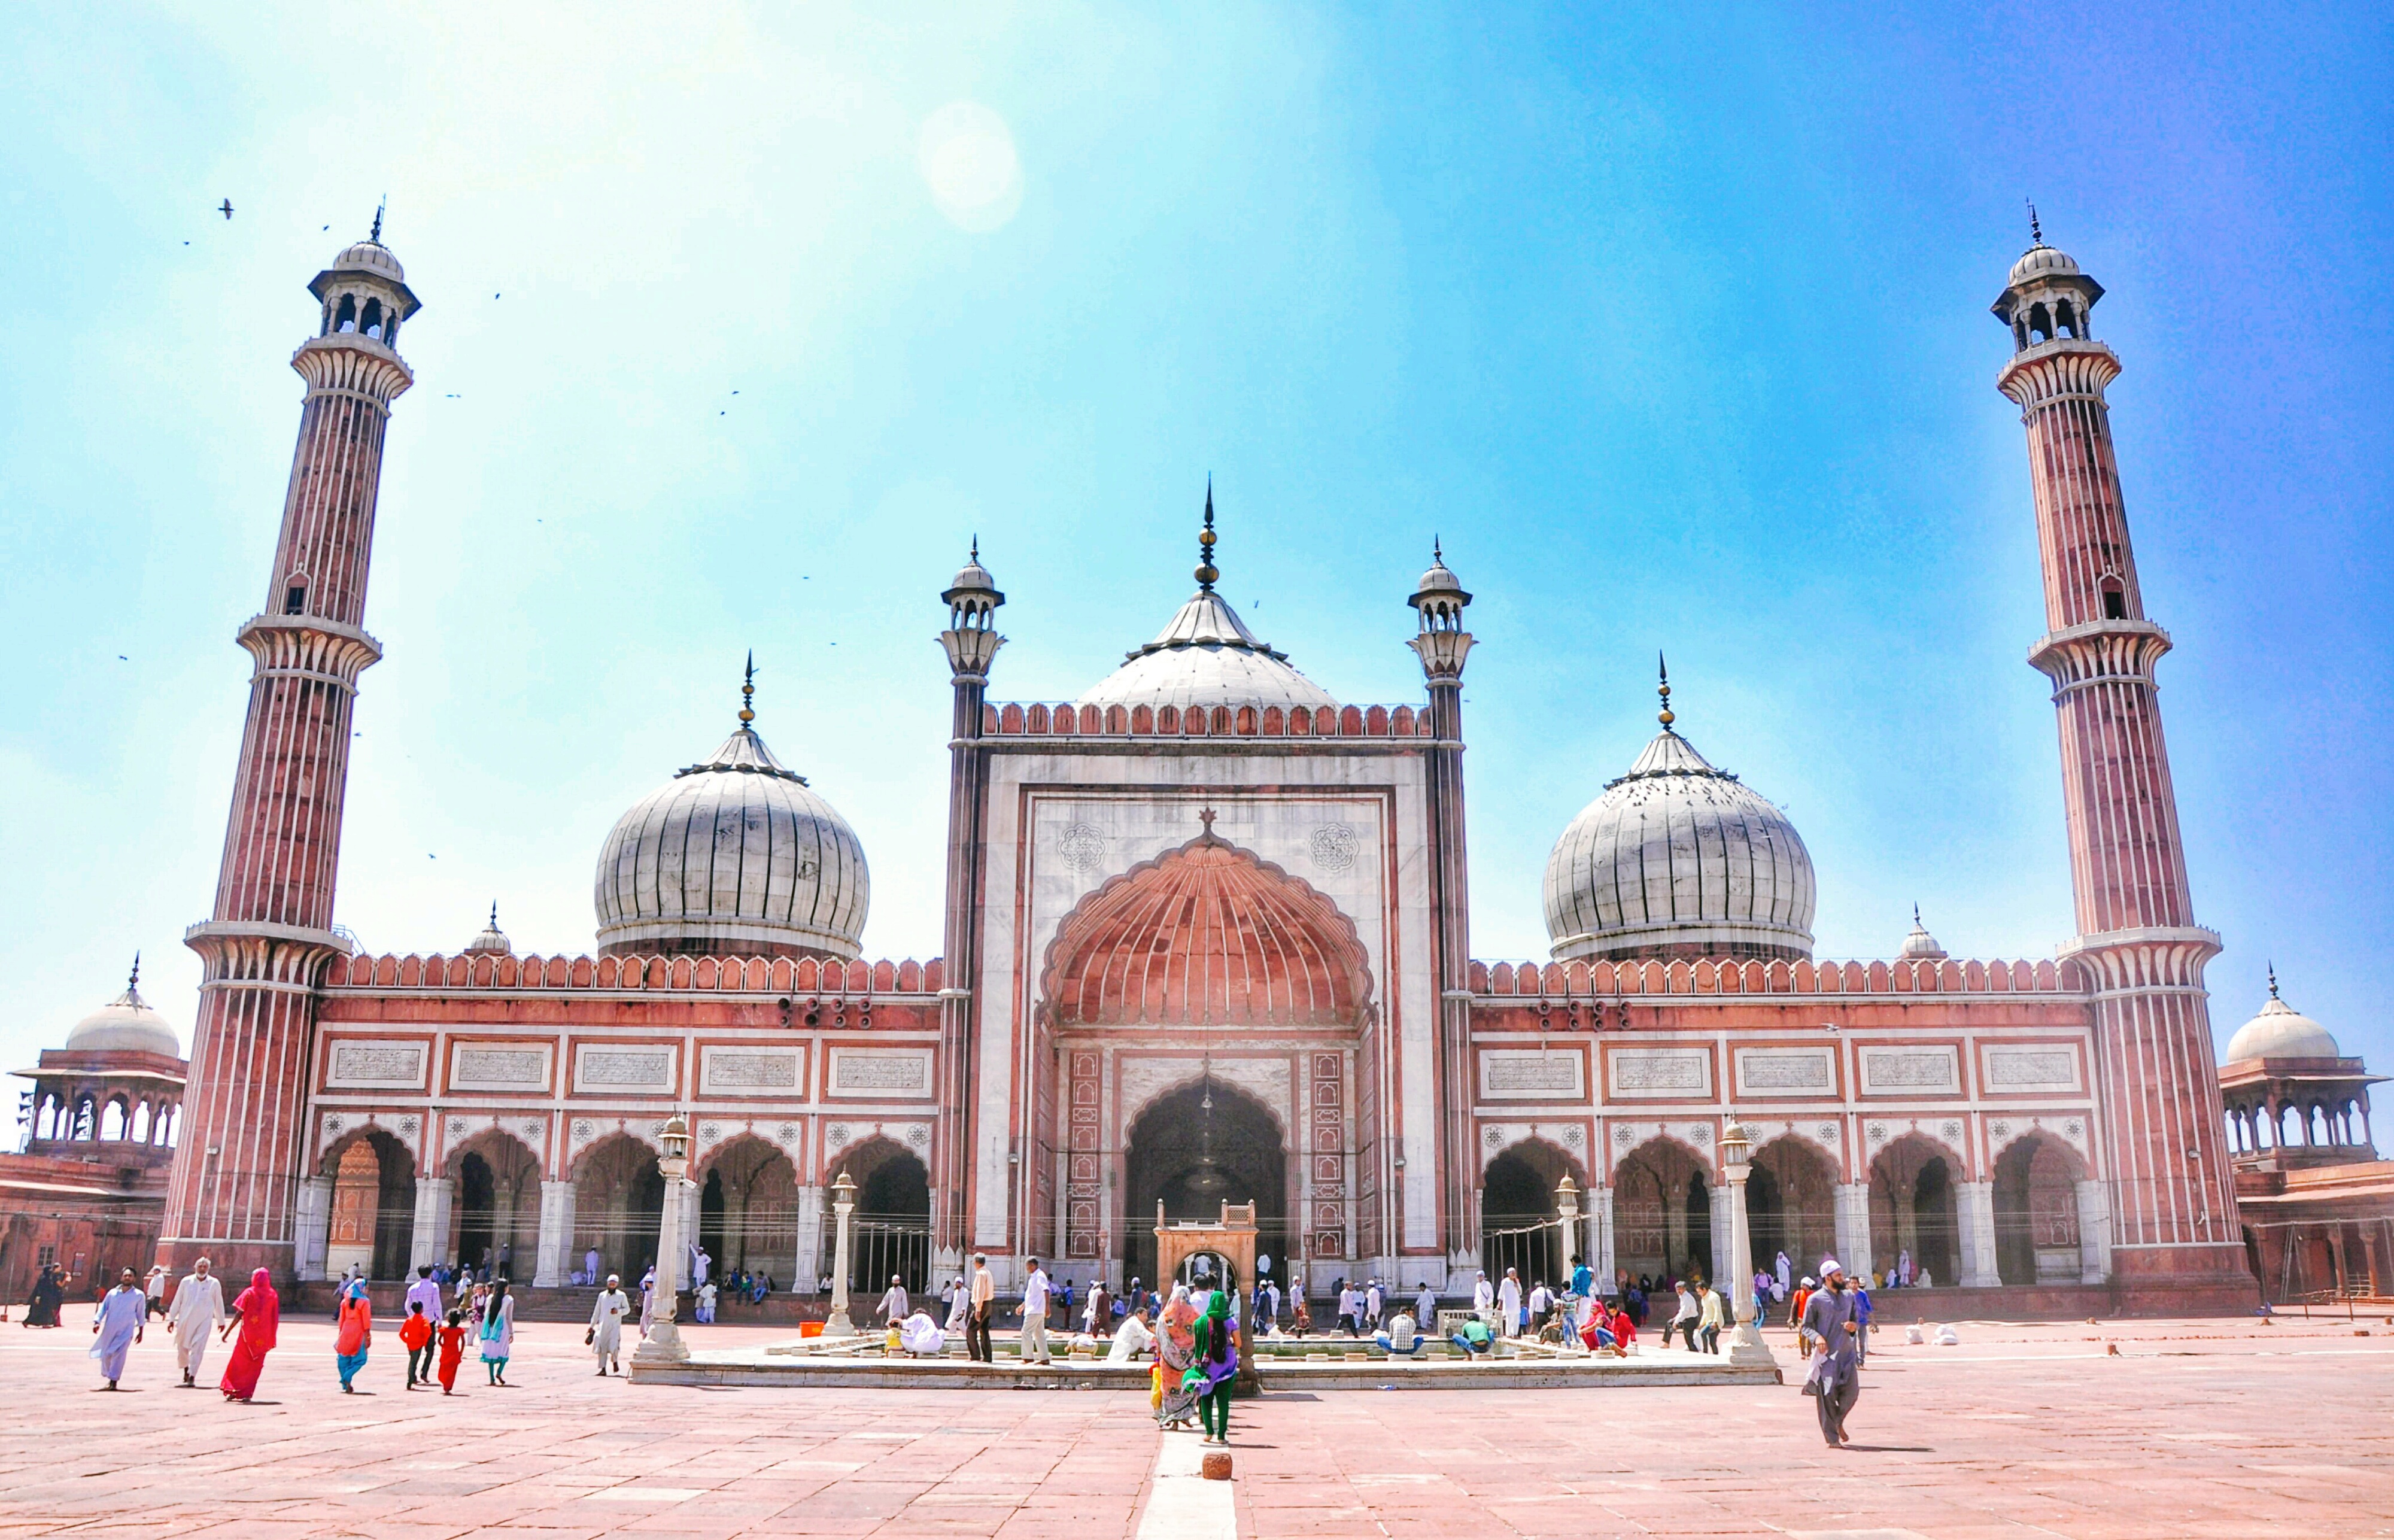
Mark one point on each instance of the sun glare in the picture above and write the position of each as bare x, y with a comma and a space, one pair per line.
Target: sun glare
968, 158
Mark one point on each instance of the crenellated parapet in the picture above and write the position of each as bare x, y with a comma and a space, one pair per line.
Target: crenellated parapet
1071, 719
1605, 981
776, 976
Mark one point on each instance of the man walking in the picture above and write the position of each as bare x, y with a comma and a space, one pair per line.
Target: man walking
895, 1307
1034, 1314
984, 1300
1508, 1303
1685, 1318
605, 1336
1829, 1320
425, 1295
1426, 1309
117, 1325
1484, 1300
196, 1309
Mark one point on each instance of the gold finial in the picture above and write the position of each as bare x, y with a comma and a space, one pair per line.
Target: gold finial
1207, 573
748, 691
1665, 715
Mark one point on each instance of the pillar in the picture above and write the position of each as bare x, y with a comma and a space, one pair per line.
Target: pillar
1726, 1262
971, 642
809, 1262
1442, 645
2094, 1231
1746, 1345
843, 1204
238, 1169
2139, 948
1974, 1209
435, 1196
1600, 1238
556, 1261
312, 1225
1852, 1224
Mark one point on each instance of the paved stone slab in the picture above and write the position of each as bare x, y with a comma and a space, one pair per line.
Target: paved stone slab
2198, 1428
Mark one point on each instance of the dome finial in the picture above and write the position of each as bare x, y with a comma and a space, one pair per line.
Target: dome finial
1207, 573
133, 979
2035, 230
1664, 690
495, 913
376, 234
976, 550
748, 691
1915, 917
2273, 980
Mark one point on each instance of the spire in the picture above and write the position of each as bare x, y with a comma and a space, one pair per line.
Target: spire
1207, 573
1665, 715
2273, 980
1437, 552
133, 979
495, 913
1915, 917
975, 556
376, 234
2035, 230
748, 694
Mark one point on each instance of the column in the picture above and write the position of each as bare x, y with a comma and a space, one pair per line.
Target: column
2094, 1231
435, 1196
1725, 1265
688, 1199
810, 1257
1600, 1238
1974, 1208
1853, 1231
312, 1225
555, 1259
1745, 1344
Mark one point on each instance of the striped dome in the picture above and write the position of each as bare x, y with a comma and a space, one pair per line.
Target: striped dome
1678, 858
1206, 935
734, 857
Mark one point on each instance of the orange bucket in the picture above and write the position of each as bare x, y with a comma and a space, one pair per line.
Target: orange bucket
811, 1328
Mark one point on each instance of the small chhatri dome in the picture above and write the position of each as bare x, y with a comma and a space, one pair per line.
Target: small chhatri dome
1205, 656
1678, 858
1439, 580
973, 580
372, 256
1920, 943
2279, 1032
125, 1024
733, 857
493, 938
2040, 261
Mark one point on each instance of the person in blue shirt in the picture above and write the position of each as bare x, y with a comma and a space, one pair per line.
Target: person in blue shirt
1582, 1281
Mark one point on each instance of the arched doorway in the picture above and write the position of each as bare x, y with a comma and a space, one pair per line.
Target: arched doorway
1196, 1149
2036, 1212
748, 1209
1912, 1202
619, 1196
496, 1217
374, 1205
1791, 1201
889, 1234
1661, 1213
1518, 1215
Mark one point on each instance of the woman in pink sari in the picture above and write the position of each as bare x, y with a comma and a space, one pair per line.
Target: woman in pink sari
257, 1314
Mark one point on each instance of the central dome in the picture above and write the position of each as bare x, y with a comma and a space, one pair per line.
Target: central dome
1678, 858
1207, 657
733, 857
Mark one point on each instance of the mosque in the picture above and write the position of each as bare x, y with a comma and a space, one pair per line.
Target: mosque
1207, 938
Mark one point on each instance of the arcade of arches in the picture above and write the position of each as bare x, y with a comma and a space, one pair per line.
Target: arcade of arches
494, 1218
1661, 1212
1912, 1209
619, 1196
889, 1234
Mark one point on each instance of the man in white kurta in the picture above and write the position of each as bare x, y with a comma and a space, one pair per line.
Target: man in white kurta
895, 1307
196, 1309
606, 1315
1508, 1303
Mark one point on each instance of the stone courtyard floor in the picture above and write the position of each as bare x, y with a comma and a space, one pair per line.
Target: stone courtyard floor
2196, 1429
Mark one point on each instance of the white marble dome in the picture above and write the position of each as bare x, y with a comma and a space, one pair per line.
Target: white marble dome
1678, 858
2281, 1031
734, 856
2040, 261
125, 1024
1205, 656
374, 257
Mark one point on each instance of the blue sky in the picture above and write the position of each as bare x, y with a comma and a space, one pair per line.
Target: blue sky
1673, 325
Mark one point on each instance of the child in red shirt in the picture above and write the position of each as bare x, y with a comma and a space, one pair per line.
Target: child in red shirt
453, 1349
414, 1333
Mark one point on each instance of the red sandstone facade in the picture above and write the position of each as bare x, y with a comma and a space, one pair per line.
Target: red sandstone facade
1207, 936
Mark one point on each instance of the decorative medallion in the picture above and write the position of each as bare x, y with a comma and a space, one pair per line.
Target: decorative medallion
332, 1126
408, 1125
709, 1132
1572, 1135
1950, 1130
837, 1134
535, 1130
1082, 846
1493, 1138
1878, 1133
1624, 1135
582, 1129
2000, 1130
1335, 846
1827, 1133
789, 1132
456, 1127
2074, 1128
919, 1137
1701, 1133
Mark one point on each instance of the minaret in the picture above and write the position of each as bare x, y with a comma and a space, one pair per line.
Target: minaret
2174, 1200
238, 1161
971, 641
1442, 645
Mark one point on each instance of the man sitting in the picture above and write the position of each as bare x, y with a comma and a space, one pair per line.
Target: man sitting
921, 1335
1402, 1339
1131, 1338
1473, 1338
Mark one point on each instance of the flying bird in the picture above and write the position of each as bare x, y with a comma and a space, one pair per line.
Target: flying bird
225, 208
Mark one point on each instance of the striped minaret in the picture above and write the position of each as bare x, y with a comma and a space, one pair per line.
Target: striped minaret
238, 1161
2174, 1222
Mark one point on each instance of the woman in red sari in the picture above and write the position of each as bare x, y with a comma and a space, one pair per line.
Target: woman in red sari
256, 1312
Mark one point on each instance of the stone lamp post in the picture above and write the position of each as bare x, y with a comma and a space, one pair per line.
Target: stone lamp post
1746, 1345
843, 1204
1567, 1217
664, 1344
